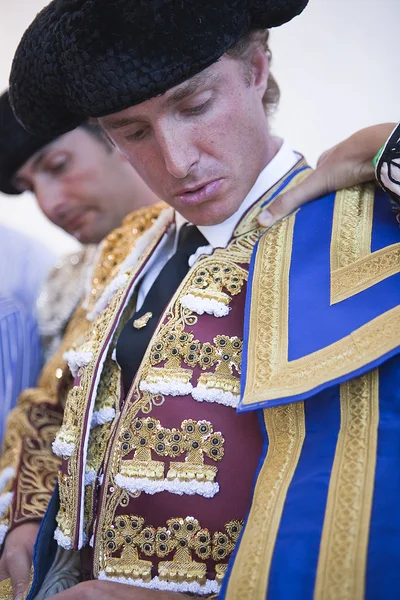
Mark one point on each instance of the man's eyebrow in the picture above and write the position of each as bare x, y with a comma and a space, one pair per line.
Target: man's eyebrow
184, 90
111, 123
192, 86
41, 155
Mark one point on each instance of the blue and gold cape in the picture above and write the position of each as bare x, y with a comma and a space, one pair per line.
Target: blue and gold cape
321, 365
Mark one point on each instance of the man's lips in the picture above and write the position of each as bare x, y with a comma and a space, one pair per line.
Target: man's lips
73, 222
192, 195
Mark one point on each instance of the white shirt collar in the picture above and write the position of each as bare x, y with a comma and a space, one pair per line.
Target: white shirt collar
219, 235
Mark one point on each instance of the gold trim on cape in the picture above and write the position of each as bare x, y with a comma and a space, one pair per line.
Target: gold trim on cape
270, 375
344, 541
250, 573
354, 268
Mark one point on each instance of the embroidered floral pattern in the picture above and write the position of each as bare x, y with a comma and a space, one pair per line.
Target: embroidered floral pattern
129, 545
146, 438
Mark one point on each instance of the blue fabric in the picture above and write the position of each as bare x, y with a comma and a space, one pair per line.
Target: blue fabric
383, 573
298, 539
386, 230
24, 266
296, 551
20, 354
45, 545
313, 323
310, 270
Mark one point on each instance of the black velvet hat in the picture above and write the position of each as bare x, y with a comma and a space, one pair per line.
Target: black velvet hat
16, 146
91, 58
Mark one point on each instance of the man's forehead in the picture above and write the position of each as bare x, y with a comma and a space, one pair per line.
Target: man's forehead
205, 78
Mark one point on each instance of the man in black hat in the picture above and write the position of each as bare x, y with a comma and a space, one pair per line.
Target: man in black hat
73, 177
295, 327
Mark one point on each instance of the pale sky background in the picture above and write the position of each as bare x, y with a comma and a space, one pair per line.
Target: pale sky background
336, 64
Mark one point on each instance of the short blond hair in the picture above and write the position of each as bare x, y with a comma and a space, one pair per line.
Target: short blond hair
243, 49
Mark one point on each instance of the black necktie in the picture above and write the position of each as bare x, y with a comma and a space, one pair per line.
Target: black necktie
137, 333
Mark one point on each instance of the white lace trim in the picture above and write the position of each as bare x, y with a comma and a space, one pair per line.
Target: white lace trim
3, 532
204, 305
210, 587
76, 360
5, 501
90, 477
199, 252
5, 476
61, 448
203, 394
173, 486
62, 540
114, 355
91, 541
130, 261
169, 388
104, 415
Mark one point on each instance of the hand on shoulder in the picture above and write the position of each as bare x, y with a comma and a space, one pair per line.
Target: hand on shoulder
346, 164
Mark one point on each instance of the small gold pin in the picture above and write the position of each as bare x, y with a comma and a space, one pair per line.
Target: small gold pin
142, 321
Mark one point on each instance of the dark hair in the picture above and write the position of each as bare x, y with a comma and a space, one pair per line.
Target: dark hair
94, 129
243, 50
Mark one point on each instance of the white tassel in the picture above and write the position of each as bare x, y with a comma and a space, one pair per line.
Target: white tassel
210, 587
90, 477
145, 239
5, 501
5, 476
206, 489
102, 416
62, 540
203, 394
204, 305
76, 360
61, 448
170, 388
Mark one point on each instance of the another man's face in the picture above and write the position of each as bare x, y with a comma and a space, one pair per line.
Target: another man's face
202, 144
80, 185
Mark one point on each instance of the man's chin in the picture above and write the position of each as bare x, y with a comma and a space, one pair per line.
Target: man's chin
208, 214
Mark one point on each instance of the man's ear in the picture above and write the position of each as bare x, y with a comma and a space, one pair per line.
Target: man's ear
259, 65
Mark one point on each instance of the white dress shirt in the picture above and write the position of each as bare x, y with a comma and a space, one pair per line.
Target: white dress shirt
219, 235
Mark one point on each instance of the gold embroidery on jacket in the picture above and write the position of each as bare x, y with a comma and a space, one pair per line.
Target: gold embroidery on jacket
129, 544
176, 318
117, 245
70, 482
354, 268
177, 346
344, 542
194, 438
286, 431
38, 472
175, 321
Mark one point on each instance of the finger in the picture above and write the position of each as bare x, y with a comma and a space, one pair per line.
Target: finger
19, 566
312, 187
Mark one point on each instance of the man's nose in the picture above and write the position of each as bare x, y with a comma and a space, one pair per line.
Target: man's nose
180, 154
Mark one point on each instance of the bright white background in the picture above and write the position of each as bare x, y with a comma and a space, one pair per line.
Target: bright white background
337, 66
